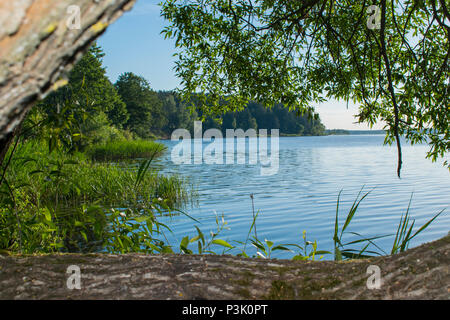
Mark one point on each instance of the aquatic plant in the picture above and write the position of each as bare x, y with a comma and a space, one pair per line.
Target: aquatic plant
121, 150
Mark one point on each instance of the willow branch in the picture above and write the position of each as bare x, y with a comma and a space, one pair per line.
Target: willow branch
390, 85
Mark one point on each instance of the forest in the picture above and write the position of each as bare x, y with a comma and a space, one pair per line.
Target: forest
130, 108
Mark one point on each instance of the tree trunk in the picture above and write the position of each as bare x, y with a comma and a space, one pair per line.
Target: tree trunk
39, 41
419, 273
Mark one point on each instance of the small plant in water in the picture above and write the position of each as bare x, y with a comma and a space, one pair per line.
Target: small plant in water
401, 241
341, 249
203, 244
404, 230
267, 248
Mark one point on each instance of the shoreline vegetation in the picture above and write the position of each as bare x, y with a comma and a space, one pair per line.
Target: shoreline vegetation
59, 202
122, 150
352, 132
328, 132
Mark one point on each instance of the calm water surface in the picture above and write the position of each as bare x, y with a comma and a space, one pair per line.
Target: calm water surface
303, 194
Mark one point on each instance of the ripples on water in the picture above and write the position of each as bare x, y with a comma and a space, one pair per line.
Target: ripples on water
303, 194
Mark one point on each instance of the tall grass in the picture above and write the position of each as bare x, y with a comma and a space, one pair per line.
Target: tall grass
64, 179
121, 150
42, 193
404, 233
403, 236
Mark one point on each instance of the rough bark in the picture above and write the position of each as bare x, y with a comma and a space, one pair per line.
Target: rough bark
419, 273
37, 45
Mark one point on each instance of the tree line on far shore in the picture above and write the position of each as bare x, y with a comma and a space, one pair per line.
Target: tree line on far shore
90, 109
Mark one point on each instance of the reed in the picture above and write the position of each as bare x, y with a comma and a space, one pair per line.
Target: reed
122, 150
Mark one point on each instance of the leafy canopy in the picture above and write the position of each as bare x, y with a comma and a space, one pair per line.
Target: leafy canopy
90, 88
87, 106
300, 52
142, 104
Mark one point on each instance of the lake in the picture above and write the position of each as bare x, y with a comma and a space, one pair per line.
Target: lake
303, 194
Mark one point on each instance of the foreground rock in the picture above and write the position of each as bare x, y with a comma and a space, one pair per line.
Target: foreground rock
419, 273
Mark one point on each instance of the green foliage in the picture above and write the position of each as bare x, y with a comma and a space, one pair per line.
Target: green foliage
342, 250
256, 116
303, 52
88, 83
404, 231
263, 249
204, 244
304, 254
141, 102
88, 229
53, 200
74, 179
129, 232
89, 110
42, 192
178, 114
98, 130
345, 251
266, 248
85, 111
119, 150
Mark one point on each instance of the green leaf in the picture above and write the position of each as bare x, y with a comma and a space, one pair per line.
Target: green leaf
353, 210
280, 247
336, 222
184, 242
222, 243
259, 246
84, 235
194, 239
47, 215
425, 225
78, 224
142, 219
200, 234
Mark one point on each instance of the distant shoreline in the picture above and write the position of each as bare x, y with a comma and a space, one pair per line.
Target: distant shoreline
337, 132
332, 132
352, 132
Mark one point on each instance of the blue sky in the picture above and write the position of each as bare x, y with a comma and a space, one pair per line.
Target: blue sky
134, 44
